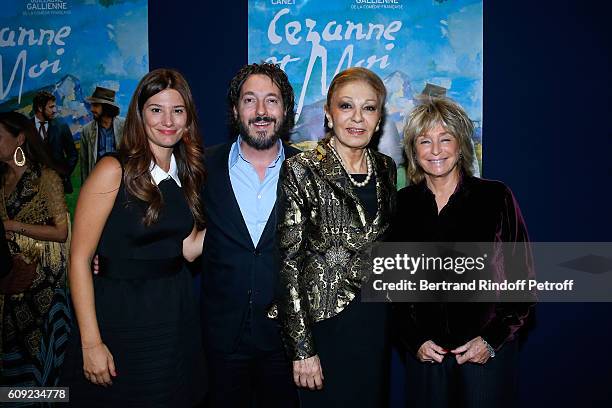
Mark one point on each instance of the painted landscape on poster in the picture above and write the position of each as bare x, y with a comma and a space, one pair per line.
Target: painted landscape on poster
69, 48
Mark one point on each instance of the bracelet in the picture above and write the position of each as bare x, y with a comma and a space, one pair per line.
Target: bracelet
90, 347
490, 349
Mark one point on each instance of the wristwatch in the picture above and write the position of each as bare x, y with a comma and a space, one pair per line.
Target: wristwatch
490, 349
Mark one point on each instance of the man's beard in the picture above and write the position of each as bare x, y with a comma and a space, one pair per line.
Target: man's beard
262, 140
48, 118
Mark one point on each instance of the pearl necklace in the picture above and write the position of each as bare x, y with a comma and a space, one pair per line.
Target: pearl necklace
351, 179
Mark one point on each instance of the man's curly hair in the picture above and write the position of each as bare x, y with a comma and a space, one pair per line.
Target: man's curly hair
278, 76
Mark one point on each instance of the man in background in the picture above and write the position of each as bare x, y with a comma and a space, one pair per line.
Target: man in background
103, 134
56, 135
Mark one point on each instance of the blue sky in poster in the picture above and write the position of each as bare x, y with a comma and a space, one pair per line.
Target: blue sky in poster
107, 45
435, 41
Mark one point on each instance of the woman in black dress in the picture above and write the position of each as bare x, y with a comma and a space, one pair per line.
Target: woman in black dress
460, 354
141, 213
334, 202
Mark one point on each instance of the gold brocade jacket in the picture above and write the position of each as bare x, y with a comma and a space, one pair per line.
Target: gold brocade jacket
324, 233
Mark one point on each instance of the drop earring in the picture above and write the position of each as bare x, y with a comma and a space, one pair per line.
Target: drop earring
22, 162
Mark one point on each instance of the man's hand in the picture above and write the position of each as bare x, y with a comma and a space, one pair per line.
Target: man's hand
431, 352
308, 373
474, 351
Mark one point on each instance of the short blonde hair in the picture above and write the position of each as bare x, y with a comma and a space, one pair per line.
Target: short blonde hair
433, 111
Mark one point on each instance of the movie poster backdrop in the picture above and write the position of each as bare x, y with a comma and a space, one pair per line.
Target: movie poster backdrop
408, 43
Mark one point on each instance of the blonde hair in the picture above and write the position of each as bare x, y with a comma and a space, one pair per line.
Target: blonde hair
431, 112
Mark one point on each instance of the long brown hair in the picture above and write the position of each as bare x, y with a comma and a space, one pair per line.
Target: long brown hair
137, 155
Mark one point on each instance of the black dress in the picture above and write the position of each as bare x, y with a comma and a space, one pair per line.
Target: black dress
146, 310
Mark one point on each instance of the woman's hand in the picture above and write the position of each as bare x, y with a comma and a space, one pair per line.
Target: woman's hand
431, 352
98, 365
474, 351
308, 373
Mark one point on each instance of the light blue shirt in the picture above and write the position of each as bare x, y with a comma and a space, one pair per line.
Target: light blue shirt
255, 198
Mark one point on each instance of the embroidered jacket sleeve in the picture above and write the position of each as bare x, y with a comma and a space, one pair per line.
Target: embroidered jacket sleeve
294, 317
5, 255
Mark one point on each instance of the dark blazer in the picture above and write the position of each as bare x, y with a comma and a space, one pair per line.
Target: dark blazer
239, 280
483, 211
62, 150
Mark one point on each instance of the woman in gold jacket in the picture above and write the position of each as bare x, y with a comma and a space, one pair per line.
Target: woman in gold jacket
334, 202
34, 312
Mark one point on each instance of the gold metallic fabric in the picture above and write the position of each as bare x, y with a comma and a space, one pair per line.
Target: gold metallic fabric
324, 233
38, 200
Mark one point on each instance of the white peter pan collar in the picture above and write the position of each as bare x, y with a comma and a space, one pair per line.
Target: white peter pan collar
158, 175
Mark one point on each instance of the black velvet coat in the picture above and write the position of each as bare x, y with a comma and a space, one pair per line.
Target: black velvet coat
478, 211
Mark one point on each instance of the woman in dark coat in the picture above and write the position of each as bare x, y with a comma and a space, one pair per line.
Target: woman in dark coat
452, 345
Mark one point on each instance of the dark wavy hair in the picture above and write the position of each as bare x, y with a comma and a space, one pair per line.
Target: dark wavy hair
33, 148
278, 76
41, 99
136, 154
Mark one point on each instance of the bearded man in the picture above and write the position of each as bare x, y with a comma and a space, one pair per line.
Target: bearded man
103, 134
240, 260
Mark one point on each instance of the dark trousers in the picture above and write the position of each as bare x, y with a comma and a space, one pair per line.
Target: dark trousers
251, 378
449, 384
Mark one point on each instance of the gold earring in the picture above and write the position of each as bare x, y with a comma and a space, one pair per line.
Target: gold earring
22, 162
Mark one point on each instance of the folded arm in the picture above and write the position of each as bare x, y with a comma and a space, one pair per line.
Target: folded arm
52, 194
